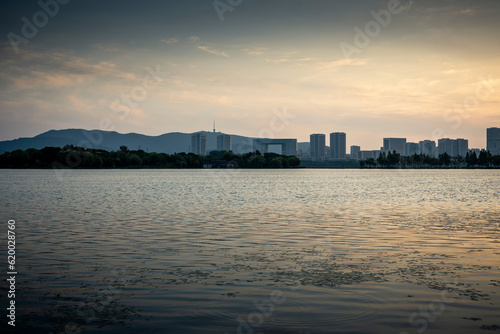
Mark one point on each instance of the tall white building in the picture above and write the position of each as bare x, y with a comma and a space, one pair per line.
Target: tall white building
355, 151
427, 147
394, 144
337, 145
363, 155
445, 145
453, 147
199, 143
493, 140
411, 149
224, 143
317, 148
461, 147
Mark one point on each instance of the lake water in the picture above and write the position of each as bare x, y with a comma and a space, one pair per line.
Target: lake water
255, 251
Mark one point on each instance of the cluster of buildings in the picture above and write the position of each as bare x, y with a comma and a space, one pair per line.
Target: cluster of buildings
459, 147
199, 143
337, 149
319, 151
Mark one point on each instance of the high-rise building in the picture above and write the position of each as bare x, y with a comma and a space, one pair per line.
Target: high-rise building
475, 150
337, 145
445, 145
224, 143
453, 147
199, 143
394, 144
461, 147
411, 149
363, 155
317, 142
493, 140
288, 146
355, 151
427, 147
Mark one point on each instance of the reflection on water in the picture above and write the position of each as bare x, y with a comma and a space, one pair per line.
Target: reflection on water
294, 251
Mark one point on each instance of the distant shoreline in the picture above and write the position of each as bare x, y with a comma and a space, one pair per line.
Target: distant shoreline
248, 168
72, 157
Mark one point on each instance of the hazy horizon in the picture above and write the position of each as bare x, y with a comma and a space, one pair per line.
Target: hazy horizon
427, 70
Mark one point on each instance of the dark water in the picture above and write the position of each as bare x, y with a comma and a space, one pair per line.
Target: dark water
293, 251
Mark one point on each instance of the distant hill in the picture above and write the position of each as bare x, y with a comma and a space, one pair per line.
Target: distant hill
170, 143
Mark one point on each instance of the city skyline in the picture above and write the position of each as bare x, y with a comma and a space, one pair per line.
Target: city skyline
370, 69
316, 148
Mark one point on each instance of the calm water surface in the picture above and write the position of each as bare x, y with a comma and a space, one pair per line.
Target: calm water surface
264, 251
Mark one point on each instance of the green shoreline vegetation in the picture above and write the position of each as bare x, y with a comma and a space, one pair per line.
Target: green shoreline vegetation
78, 157
421, 161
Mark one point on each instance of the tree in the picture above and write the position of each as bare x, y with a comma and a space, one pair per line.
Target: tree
483, 158
78, 157
382, 159
133, 160
293, 162
228, 156
277, 162
495, 160
153, 160
370, 162
393, 158
444, 159
471, 159
257, 161
90, 160
19, 159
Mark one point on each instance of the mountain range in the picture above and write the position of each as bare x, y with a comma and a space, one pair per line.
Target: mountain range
174, 142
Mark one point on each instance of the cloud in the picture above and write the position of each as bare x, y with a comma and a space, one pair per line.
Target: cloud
407, 6
452, 10
79, 66
212, 51
80, 104
107, 47
277, 61
38, 79
194, 39
252, 52
169, 41
48, 70
468, 11
343, 62
322, 69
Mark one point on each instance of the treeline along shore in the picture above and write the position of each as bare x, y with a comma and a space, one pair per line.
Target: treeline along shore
79, 157
417, 161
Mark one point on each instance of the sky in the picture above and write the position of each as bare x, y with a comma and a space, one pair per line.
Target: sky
419, 69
